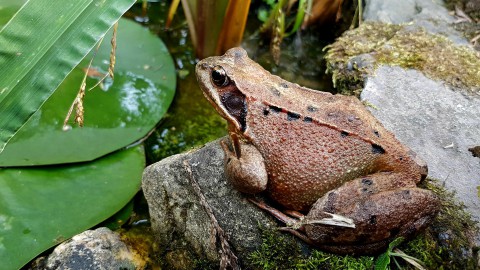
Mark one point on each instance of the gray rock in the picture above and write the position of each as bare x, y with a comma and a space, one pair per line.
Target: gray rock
182, 223
430, 15
92, 249
438, 123
389, 11
397, 12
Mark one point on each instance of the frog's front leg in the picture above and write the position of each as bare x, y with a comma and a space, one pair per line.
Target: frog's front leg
244, 166
382, 208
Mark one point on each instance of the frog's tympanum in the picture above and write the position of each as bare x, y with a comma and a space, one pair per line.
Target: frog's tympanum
319, 153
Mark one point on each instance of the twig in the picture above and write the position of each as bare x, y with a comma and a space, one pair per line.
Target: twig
227, 257
78, 102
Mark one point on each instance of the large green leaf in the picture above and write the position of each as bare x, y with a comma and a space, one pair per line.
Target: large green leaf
122, 112
42, 206
8, 8
40, 45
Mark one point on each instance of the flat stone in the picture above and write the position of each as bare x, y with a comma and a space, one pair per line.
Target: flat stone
438, 123
182, 223
93, 249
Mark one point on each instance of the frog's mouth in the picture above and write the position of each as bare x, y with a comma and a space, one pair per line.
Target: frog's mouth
229, 102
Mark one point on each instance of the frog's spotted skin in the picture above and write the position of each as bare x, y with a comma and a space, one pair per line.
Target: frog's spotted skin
319, 139
317, 148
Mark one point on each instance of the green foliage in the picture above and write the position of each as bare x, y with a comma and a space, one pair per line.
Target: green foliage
119, 113
57, 29
205, 20
43, 206
277, 251
281, 251
270, 17
264, 13
383, 260
323, 260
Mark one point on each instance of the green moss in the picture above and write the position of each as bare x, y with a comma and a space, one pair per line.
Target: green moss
278, 251
447, 244
141, 243
204, 264
400, 45
281, 251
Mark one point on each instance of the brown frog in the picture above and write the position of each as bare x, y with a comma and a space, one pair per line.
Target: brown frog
317, 152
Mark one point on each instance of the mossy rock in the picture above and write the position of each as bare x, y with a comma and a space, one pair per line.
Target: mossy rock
407, 46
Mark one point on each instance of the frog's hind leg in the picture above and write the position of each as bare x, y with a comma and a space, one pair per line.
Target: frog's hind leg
381, 207
295, 220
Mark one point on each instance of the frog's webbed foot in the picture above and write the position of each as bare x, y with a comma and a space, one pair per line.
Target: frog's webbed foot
299, 220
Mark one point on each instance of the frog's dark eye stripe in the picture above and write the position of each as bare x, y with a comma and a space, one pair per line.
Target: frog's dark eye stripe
235, 103
219, 76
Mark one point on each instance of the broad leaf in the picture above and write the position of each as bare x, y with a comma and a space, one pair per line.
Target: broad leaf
40, 45
122, 112
43, 206
383, 261
7, 9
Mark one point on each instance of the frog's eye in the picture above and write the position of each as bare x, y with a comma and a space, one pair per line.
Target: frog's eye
219, 76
